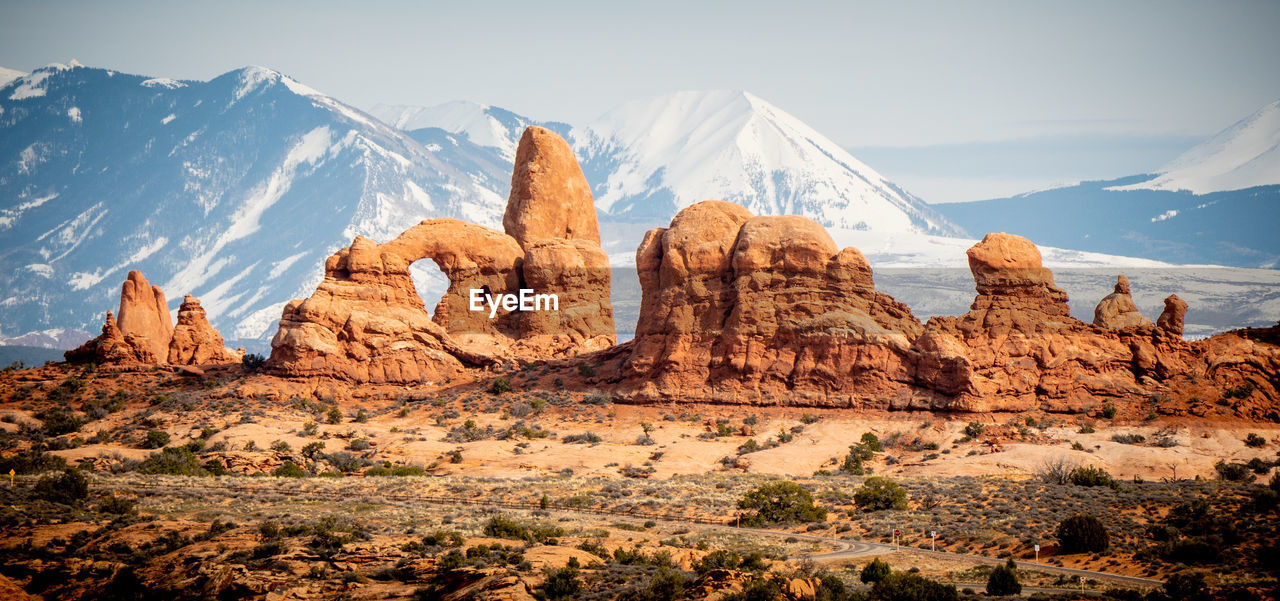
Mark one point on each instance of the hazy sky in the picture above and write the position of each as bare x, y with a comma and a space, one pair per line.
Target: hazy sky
864, 74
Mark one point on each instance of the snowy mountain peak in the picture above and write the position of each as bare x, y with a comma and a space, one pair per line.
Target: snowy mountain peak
482, 124
657, 155
1245, 155
8, 75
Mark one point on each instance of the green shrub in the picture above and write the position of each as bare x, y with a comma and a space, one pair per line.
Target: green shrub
758, 590
1187, 586
117, 505
289, 470
875, 571
905, 586
1082, 534
1234, 472
1108, 411
253, 361
665, 585
1004, 580
71, 487
501, 526
500, 385
177, 461
974, 429
717, 560
871, 442
59, 421
155, 439
1128, 438
780, 503
32, 461
879, 493
562, 582
1253, 440
1092, 476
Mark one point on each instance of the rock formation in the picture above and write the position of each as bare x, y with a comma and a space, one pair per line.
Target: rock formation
194, 341
144, 313
365, 322
761, 310
1171, 319
148, 337
1116, 311
550, 198
113, 347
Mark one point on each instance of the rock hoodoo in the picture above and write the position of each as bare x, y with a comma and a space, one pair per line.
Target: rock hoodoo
366, 323
1116, 311
739, 308
194, 341
1171, 319
144, 313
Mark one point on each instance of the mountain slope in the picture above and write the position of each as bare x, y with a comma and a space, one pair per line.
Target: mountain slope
1245, 155
650, 158
235, 190
8, 75
483, 125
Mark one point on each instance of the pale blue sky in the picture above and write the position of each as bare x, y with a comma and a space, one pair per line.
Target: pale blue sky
863, 73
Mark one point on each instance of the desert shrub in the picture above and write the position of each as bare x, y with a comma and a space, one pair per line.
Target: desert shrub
1004, 580
750, 446
1253, 440
780, 503
974, 429
280, 446
71, 487
875, 571
1234, 472
59, 421
586, 437
500, 385
177, 461
906, 586
33, 461
666, 585
1082, 534
1056, 471
501, 526
333, 415
1086, 429
1186, 586
717, 560
116, 505
253, 361
289, 470
358, 444
1092, 476
312, 450
761, 589
1108, 411
562, 582
871, 442
599, 399
345, 462
586, 370
1128, 438
155, 439
879, 493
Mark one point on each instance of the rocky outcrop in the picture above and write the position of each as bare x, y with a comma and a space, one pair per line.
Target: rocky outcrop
144, 314
738, 308
365, 322
113, 347
1116, 311
194, 340
1175, 312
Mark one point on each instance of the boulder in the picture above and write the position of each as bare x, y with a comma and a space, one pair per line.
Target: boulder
1116, 311
194, 341
1172, 318
144, 314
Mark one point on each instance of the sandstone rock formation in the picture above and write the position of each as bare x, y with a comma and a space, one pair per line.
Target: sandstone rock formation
365, 322
550, 198
194, 340
1171, 319
1116, 311
749, 309
148, 337
113, 347
144, 313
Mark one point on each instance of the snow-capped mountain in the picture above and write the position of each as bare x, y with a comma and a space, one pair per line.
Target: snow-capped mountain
1217, 203
234, 190
1245, 155
8, 75
483, 125
650, 158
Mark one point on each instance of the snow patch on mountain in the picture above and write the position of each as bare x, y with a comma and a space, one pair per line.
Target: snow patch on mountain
1245, 155
483, 125
653, 157
8, 75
